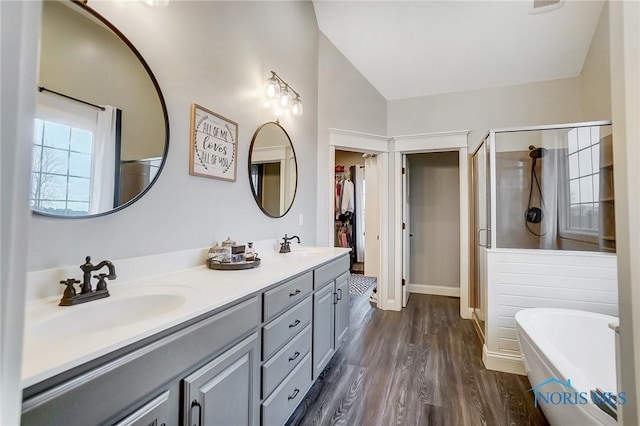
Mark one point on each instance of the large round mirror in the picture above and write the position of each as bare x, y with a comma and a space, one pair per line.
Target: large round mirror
273, 171
101, 132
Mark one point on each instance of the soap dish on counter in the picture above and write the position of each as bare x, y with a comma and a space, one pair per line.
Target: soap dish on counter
235, 266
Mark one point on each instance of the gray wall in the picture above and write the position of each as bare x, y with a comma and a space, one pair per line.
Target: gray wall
346, 100
434, 187
216, 54
595, 78
585, 97
548, 102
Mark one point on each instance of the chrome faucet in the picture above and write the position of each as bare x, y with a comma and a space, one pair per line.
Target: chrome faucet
71, 297
285, 246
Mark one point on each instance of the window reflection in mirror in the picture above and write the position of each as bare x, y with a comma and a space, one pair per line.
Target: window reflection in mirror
273, 171
101, 130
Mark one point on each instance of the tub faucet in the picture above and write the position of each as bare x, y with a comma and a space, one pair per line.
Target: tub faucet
285, 246
88, 268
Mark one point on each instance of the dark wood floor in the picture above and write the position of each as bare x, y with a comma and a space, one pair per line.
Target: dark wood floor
421, 366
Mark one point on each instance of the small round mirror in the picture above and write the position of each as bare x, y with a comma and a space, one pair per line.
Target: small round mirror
273, 171
101, 130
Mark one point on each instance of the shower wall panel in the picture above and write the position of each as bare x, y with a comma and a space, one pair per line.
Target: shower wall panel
513, 178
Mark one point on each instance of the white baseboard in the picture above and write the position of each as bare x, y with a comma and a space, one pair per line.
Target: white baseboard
466, 313
438, 290
496, 361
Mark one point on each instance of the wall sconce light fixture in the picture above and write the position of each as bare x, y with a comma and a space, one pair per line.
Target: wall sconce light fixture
283, 96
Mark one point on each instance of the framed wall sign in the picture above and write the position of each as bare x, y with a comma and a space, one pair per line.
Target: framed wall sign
214, 148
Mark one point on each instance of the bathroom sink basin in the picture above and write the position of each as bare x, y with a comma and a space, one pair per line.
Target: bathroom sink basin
105, 314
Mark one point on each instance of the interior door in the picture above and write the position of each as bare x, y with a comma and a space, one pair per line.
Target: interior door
372, 218
482, 234
406, 232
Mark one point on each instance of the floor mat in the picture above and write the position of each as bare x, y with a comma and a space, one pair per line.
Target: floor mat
358, 284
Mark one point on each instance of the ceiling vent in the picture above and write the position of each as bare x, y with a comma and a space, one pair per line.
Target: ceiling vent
540, 6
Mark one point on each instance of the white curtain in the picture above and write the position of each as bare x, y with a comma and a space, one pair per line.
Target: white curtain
359, 237
549, 179
104, 162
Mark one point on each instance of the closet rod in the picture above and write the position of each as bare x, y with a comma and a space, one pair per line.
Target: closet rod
44, 89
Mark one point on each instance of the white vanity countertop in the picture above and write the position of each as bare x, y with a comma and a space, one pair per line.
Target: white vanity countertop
57, 338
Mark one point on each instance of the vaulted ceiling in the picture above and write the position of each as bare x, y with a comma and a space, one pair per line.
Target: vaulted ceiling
417, 48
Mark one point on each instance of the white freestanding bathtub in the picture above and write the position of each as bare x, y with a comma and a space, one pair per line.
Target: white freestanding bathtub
561, 345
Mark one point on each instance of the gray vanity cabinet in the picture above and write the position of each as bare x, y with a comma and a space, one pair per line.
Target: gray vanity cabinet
225, 391
286, 343
120, 389
330, 311
342, 309
323, 327
250, 363
154, 413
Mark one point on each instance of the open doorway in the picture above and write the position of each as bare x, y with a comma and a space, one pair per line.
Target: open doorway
355, 220
432, 224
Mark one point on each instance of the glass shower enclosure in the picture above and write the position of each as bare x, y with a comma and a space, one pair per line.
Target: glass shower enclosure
540, 188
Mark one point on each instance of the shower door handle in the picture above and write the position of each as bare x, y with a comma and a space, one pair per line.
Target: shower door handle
478, 237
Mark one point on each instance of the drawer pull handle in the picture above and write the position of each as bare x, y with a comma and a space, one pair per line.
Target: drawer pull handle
295, 355
295, 323
335, 298
339, 294
295, 393
295, 293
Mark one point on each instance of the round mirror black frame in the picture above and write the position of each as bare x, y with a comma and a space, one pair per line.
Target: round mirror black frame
163, 105
253, 190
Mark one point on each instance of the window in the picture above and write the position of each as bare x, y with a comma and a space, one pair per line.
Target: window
583, 160
61, 172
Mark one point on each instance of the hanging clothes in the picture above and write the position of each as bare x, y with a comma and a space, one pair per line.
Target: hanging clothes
347, 197
338, 199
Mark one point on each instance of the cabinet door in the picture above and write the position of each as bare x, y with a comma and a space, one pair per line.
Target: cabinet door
323, 328
226, 390
342, 309
154, 413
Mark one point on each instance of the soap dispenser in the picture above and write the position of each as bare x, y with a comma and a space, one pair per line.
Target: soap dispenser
250, 252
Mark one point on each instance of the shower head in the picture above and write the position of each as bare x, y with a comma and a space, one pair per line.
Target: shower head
537, 152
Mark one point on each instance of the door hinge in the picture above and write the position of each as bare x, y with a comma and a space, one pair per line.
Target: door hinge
404, 171
404, 282
404, 225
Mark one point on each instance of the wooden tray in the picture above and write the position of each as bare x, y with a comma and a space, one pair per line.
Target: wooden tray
233, 266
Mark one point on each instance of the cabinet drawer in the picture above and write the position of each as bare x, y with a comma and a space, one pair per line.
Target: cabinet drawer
330, 271
282, 329
285, 360
288, 294
279, 406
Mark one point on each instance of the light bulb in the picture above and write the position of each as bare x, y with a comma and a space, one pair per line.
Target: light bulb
272, 88
285, 98
296, 109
